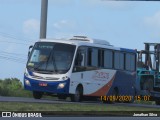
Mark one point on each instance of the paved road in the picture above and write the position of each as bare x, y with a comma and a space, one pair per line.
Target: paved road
32, 100
84, 115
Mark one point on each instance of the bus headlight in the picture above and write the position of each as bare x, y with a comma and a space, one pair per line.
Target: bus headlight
61, 85
27, 83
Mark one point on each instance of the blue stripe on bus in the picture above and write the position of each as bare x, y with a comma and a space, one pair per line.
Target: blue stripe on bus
128, 50
50, 88
124, 82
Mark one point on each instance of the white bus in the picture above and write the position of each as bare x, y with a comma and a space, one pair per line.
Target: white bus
80, 67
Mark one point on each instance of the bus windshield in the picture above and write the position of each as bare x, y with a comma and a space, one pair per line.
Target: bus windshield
49, 57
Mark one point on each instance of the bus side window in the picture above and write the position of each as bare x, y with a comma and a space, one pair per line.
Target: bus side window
108, 59
130, 62
79, 62
80, 59
93, 57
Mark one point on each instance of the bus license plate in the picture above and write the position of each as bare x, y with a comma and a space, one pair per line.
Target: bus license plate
43, 84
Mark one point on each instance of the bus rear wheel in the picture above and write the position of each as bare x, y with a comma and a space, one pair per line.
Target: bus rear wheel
37, 95
77, 97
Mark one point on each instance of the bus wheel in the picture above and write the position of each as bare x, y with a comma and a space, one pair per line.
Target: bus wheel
157, 102
62, 96
77, 97
37, 95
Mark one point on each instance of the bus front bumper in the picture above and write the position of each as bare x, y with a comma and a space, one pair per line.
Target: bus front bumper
55, 87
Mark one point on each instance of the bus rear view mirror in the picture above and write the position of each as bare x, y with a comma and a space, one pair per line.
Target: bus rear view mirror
29, 51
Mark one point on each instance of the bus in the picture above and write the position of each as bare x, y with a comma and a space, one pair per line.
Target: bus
81, 67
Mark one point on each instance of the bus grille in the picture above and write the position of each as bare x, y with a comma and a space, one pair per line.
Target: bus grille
46, 78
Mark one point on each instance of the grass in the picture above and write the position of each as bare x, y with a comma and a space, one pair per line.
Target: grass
145, 102
15, 106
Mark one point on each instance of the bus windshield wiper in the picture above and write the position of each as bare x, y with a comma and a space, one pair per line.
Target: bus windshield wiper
54, 63
45, 71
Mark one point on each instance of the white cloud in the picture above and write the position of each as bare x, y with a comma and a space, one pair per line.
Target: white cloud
59, 35
31, 26
64, 24
64, 29
153, 21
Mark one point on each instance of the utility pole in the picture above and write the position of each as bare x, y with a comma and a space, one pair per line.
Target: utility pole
43, 23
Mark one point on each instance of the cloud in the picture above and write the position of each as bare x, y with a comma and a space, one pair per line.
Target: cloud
31, 26
64, 24
64, 29
61, 35
152, 25
153, 21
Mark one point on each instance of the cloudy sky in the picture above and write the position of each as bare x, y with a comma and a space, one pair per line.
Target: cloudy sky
123, 23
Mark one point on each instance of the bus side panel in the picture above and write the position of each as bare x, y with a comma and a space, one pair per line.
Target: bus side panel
95, 82
124, 82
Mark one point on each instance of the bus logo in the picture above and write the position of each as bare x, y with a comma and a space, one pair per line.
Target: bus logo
100, 75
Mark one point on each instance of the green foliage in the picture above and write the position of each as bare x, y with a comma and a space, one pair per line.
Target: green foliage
96, 109
13, 87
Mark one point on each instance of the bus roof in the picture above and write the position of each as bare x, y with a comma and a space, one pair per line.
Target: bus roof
85, 41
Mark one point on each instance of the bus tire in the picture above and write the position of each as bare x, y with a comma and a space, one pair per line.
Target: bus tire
62, 96
77, 97
157, 102
37, 95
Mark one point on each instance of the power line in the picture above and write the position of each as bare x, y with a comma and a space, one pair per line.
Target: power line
13, 37
11, 53
12, 59
9, 36
14, 42
10, 56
